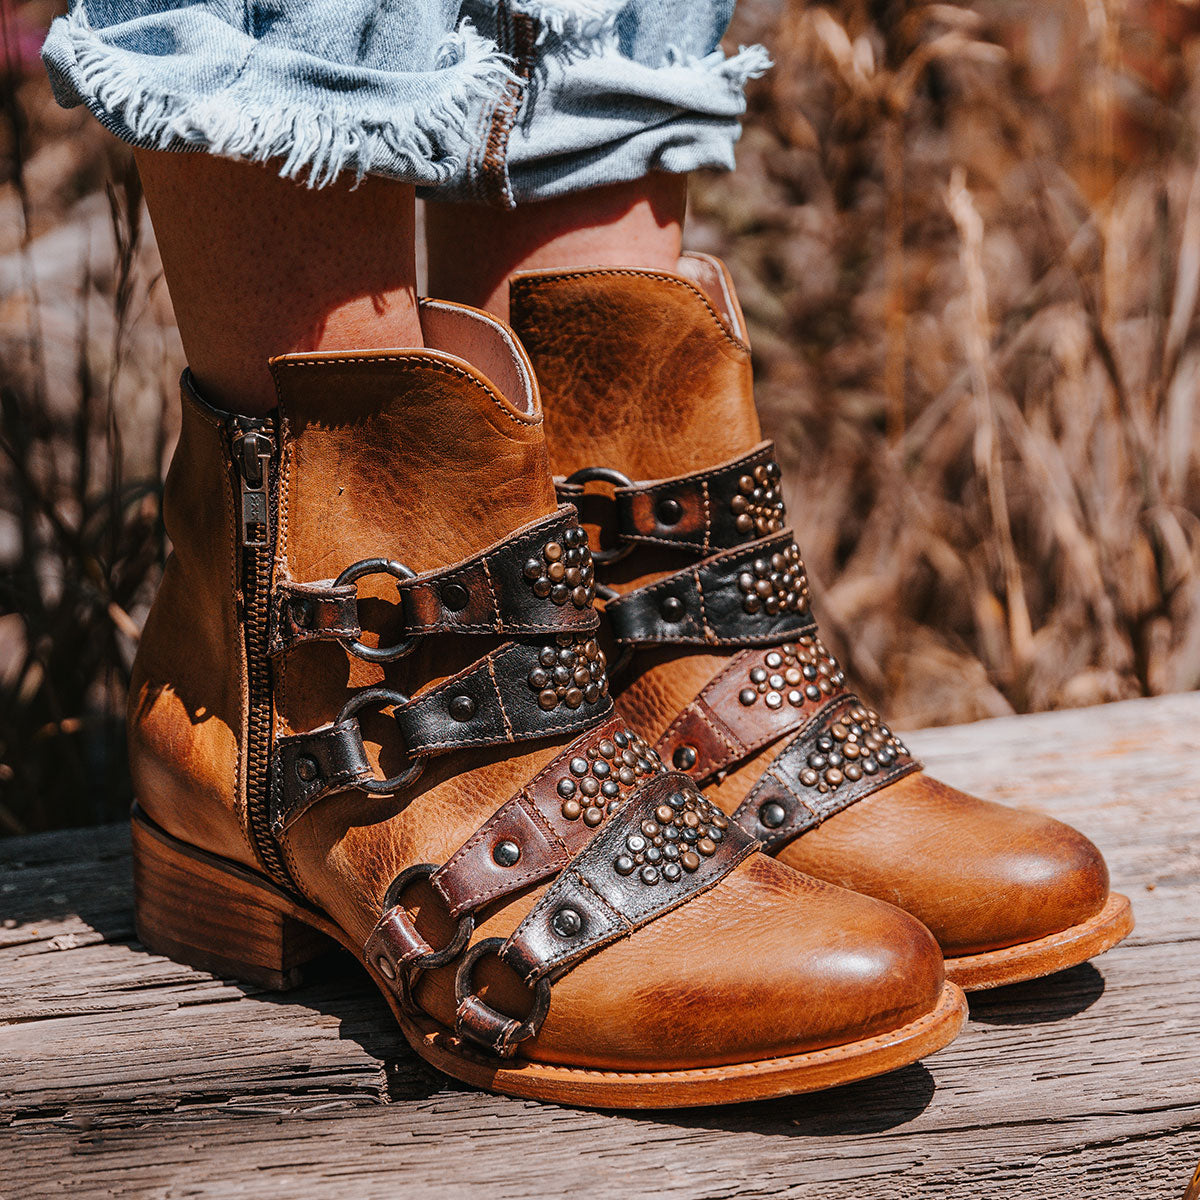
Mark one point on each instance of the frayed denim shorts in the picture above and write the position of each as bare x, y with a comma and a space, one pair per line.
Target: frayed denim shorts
490, 101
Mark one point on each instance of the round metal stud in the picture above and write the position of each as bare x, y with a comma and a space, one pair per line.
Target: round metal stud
507, 853
462, 708
684, 758
668, 511
306, 768
671, 609
302, 611
455, 597
567, 923
772, 814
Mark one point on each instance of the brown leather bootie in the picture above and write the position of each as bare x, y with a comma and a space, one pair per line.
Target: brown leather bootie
647, 386
548, 911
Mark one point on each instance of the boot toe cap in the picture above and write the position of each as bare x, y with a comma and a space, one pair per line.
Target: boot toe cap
981, 876
769, 963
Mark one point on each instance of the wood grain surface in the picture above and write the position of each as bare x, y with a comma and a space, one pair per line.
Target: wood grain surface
122, 1074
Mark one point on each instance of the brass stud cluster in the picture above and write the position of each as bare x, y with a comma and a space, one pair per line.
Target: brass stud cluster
796, 672
856, 745
684, 830
565, 570
758, 505
573, 672
776, 584
599, 780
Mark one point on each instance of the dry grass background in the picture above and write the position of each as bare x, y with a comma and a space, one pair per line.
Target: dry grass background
968, 243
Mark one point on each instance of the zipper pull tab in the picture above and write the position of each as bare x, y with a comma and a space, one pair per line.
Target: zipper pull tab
253, 449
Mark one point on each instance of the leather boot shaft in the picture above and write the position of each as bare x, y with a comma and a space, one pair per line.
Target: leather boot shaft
642, 369
415, 457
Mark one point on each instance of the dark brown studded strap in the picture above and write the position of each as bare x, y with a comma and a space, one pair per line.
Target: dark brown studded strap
501, 699
756, 595
716, 509
666, 846
540, 579
842, 755
536, 833
757, 698
519, 692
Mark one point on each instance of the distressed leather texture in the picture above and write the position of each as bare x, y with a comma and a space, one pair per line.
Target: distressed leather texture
668, 365
418, 457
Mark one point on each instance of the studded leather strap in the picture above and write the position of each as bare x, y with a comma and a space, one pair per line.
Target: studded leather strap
842, 755
538, 580
625, 878
665, 847
757, 698
757, 595
519, 692
536, 833
710, 510
502, 699
527, 840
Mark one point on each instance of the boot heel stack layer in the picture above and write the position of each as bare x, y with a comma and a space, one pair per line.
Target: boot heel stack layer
215, 918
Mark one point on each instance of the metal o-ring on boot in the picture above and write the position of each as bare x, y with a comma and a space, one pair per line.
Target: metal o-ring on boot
382, 696
413, 970
618, 479
376, 566
506, 1033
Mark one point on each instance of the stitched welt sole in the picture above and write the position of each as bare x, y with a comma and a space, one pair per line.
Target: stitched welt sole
210, 913
732, 1084
1055, 952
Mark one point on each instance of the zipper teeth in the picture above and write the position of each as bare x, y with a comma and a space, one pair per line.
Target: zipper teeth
256, 599
258, 738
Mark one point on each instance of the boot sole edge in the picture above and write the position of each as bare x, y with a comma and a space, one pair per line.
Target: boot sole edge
260, 934
1047, 955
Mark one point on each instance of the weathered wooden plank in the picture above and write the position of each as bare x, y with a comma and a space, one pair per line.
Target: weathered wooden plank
122, 1074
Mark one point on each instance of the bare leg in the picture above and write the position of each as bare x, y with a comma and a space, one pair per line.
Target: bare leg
473, 250
257, 266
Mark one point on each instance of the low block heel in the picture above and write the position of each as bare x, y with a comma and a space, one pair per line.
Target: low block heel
216, 917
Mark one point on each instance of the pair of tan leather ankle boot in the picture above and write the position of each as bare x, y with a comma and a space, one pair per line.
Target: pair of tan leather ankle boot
374, 703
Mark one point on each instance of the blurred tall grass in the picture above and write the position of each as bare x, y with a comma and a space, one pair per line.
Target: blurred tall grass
87, 355
968, 243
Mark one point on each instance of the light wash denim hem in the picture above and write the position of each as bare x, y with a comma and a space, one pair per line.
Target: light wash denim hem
684, 115
471, 100
199, 83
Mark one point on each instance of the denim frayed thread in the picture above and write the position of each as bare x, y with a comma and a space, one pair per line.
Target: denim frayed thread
581, 21
750, 62
314, 144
